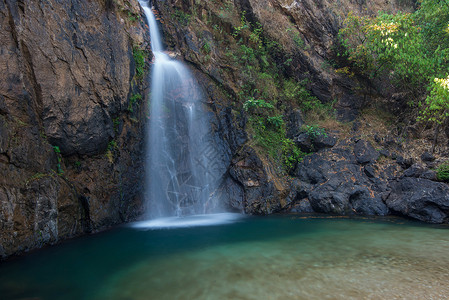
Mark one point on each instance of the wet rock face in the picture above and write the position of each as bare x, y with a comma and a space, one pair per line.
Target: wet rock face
65, 80
227, 137
263, 191
365, 153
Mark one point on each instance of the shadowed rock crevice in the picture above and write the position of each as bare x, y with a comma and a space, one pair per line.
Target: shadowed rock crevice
29, 70
86, 210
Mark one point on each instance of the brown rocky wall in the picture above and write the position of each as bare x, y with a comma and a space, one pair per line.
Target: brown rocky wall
66, 77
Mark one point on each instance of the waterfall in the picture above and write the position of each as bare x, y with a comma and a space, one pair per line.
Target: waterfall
180, 177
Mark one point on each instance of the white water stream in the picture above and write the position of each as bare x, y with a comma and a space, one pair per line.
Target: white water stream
180, 157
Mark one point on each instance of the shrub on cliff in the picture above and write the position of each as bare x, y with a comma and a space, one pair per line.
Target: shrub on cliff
443, 172
411, 49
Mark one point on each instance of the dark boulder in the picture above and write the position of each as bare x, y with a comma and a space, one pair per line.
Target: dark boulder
369, 171
429, 174
385, 153
342, 195
303, 142
263, 192
420, 199
313, 144
364, 201
348, 107
294, 123
231, 194
415, 170
3, 108
299, 191
420, 171
334, 182
324, 141
404, 162
428, 157
365, 152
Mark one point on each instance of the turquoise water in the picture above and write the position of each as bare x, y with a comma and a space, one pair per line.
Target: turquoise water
280, 257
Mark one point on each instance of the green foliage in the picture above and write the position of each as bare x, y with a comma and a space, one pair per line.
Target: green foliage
436, 107
134, 99
314, 131
139, 56
111, 151
443, 172
59, 159
388, 44
183, 18
56, 149
116, 124
255, 105
433, 19
218, 29
299, 41
133, 17
77, 166
272, 138
255, 37
206, 47
247, 55
265, 91
291, 155
268, 86
411, 48
296, 38
112, 145
275, 122
243, 25
296, 92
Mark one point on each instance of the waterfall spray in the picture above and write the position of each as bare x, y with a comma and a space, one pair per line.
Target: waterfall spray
180, 158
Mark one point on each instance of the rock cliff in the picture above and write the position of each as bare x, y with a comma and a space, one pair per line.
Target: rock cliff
70, 132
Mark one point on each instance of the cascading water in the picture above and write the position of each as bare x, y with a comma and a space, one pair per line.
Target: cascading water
180, 158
